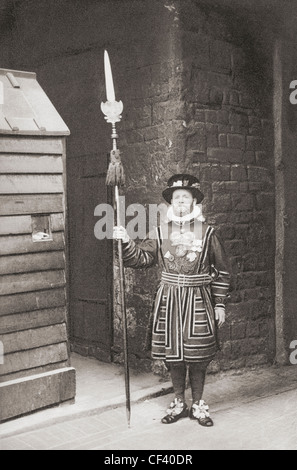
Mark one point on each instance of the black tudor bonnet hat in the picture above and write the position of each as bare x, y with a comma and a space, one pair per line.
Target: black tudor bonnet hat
183, 181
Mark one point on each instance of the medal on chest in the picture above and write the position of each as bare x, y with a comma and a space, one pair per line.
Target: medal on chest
183, 250
180, 251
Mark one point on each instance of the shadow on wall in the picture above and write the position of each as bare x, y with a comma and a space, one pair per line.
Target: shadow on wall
247, 29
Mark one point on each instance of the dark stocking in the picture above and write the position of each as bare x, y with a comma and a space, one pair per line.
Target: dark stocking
178, 372
197, 374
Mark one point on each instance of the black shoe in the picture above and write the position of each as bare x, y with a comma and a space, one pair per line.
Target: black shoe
200, 412
176, 411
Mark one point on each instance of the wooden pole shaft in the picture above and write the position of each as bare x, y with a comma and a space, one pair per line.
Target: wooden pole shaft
123, 307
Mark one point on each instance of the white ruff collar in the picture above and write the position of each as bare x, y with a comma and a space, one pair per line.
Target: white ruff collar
196, 212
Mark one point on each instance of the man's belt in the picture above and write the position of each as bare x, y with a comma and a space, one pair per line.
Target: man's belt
183, 280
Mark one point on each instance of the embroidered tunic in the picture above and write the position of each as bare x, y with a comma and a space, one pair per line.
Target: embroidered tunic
195, 278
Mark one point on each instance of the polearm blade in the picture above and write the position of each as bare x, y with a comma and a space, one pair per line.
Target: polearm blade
116, 177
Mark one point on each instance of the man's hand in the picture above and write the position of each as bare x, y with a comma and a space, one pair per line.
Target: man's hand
120, 233
220, 315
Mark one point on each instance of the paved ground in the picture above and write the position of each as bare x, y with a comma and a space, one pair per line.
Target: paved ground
255, 409
263, 424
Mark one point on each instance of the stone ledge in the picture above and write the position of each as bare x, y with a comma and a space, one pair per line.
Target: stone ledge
46, 389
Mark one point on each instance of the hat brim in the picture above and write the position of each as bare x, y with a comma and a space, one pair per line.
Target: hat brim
167, 193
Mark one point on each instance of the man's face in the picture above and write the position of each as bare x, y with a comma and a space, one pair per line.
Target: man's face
182, 202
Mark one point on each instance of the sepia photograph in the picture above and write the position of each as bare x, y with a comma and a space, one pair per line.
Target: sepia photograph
148, 227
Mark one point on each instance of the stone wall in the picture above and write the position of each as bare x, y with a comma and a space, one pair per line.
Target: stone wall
286, 196
214, 119
152, 144
196, 83
229, 143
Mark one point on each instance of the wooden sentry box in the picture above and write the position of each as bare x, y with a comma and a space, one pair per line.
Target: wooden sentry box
35, 370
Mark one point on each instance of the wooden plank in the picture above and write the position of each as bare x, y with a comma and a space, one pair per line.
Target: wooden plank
23, 145
35, 319
31, 204
31, 184
57, 222
31, 163
24, 244
17, 224
31, 358
32, 262
35, 370
30, 301
14, 283
33, 338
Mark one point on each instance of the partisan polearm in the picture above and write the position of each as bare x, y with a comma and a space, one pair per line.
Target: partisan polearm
116, 177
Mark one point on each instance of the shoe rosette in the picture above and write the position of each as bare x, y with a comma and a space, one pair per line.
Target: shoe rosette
200, 410
175, 407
